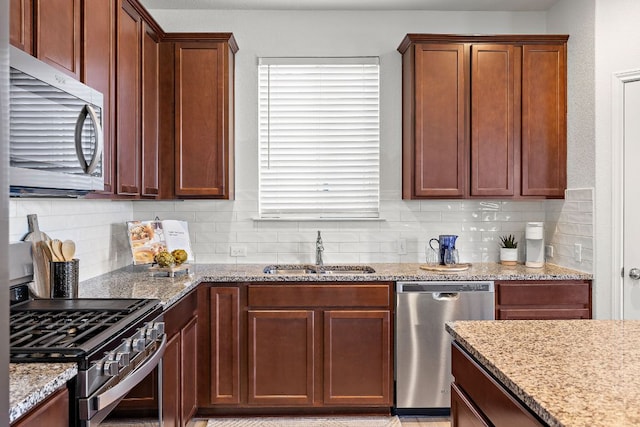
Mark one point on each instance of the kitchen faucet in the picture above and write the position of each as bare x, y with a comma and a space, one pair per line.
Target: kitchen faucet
319, 250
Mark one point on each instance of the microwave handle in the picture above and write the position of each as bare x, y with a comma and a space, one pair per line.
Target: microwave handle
97, 153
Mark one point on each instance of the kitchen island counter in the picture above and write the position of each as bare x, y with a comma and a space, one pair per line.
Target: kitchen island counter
567, 372
139, 282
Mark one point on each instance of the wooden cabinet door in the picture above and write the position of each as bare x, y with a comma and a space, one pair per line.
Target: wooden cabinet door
544, 127
171, 382
98, 71
357, 358
281, 357
493, 120
221, 364
150, 181
439, 158
463, 411
188, 371
58, 33
128, 101
53, 412
20, 24
202, 119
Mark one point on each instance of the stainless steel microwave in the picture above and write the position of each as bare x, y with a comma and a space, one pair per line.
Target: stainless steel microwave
55, 131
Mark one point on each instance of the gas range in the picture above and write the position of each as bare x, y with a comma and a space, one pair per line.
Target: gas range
116, 343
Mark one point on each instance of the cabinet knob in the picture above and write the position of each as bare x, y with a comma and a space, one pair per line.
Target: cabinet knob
634, 273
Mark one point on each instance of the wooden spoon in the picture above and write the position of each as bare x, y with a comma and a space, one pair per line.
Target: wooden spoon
56, 249
68, 250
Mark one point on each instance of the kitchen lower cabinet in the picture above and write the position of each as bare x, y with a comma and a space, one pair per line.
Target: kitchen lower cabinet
303, 347
519, 300
478, 400
53, 412
179, 371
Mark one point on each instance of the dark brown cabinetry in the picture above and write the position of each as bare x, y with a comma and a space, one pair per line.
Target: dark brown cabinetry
178, 371
21, 24
297, 347
98, 71
150, 161
53, 412
478, 400
484, 116
203, 123
57, 34
543, 300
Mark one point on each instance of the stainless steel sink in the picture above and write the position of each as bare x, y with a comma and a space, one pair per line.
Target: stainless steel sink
297, 269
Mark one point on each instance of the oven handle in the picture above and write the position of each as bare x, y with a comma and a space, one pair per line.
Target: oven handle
104, 400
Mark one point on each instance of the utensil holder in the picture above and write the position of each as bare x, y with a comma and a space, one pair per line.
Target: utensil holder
64, 278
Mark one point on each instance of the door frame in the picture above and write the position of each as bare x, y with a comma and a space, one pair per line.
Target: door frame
620, 79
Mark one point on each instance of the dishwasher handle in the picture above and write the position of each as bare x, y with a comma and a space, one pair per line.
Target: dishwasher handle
453, 286
446, 296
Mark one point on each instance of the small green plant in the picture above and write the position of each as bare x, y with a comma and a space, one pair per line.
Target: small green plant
508, 241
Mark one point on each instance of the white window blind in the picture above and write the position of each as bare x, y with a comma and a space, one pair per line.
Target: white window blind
319, 137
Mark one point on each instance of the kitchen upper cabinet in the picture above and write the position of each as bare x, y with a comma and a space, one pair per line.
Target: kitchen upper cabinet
540, 300
57, 34
544, 125
150, 162
203, 125
128, 100
21, 24
98, 71
484, 116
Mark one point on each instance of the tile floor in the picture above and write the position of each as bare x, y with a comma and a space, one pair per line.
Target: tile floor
406, 421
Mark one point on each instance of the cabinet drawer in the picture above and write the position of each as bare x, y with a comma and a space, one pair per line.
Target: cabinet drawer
305, 295
543, 313
487, 395
543, 293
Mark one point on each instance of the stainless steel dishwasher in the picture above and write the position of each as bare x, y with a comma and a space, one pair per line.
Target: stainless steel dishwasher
423, 347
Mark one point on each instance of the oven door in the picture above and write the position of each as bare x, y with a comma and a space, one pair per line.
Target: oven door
94, 408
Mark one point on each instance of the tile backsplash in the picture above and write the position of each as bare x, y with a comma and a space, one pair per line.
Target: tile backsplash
401, 234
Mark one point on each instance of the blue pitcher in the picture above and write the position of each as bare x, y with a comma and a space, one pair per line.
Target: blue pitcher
444, 241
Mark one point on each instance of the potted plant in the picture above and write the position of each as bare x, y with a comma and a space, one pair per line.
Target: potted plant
508, 250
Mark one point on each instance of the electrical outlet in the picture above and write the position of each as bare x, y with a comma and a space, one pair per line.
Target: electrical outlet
548, 251
402, 247
236, 250
577, 252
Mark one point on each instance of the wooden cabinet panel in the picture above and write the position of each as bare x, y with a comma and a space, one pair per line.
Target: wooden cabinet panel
53, 412
435, 159
281, 357
488, 396
188, 370
224, 336
543, 300
171, 383
544, 134
203, 102
21, 24
492, 120
150, 181
308, 295
463, 412
98, 71
357, 358
58, 33
128, 101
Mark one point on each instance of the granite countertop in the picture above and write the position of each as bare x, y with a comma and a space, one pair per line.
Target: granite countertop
570, 373
138, 282
31, 383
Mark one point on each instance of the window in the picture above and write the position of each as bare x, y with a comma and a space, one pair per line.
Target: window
319, 137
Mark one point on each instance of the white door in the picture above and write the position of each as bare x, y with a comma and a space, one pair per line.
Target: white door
631, 201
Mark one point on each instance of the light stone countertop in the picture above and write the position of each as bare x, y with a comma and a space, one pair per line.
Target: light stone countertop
571, 373
138, 282
31, 383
